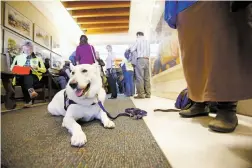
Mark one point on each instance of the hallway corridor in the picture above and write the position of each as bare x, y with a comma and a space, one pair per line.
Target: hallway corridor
143, 54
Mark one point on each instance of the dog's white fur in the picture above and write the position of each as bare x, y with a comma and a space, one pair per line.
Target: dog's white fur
83, 109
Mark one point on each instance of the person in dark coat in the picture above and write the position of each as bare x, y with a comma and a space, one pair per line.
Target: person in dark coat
215, 42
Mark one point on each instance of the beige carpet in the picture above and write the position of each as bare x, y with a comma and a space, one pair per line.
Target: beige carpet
31, 138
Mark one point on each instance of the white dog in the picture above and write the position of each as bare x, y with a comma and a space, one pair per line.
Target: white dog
84, 89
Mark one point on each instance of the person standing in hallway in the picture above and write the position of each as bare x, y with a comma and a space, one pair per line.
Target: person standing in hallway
215, 43
128, 73
85, 53
111, 72
142, 47
133, 60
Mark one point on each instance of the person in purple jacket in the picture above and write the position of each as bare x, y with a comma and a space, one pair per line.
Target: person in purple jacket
85, 53
215, 41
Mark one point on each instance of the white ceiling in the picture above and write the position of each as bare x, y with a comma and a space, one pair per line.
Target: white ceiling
140, 20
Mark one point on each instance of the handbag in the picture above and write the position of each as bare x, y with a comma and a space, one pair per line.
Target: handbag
183, 102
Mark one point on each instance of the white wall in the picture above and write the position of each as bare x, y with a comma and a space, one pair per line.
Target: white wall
68, 31
120, 49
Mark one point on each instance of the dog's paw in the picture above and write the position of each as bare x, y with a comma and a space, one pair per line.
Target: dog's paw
109, 124
78, 139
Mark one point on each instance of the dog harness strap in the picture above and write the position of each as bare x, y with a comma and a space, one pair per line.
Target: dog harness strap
103, 109
108, 114
68, 102
130, 112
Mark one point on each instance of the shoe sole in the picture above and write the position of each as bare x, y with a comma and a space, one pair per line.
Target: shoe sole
27, 106
221, 130
139, 97
195, 115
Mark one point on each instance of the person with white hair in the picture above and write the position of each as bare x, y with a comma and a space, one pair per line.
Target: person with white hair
28, 59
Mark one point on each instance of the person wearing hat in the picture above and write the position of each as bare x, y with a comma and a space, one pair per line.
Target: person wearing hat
29, 59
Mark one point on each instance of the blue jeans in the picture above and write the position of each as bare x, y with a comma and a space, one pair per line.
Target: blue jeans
62, 82
129, 83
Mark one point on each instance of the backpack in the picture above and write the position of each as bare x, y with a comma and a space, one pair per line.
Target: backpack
183, 102
127, 54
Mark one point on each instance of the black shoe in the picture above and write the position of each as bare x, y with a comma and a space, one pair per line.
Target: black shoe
197, 109
213, 107
226, 119
147, 96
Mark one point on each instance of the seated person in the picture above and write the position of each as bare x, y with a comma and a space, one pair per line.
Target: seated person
28, 58
64, 75
47, 63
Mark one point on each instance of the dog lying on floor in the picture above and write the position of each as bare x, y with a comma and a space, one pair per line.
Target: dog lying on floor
80, 101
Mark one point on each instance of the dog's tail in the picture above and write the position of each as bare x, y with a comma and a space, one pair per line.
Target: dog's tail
167, 110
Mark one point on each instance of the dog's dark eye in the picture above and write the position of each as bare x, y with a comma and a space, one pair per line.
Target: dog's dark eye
72, 73
84, 70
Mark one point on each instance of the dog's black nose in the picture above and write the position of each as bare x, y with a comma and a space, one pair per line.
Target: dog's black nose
73, 85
